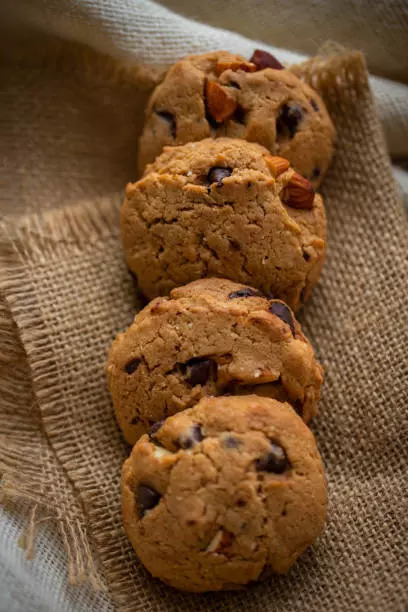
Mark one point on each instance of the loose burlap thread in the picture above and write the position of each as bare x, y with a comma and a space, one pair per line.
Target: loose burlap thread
67, 291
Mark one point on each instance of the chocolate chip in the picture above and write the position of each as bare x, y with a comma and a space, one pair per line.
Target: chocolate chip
282, 311
315, 173
314, 105
234, 244
231, 442
263, 59
170, 119
244, 293
199, 370
132, 366
190, 439
288, 119
146, 499
274, 461
216, 174
135, 420
155, 428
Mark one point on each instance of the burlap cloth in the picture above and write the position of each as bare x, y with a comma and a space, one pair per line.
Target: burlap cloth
65, 292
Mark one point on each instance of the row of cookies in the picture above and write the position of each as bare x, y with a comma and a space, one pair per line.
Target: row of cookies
214, 380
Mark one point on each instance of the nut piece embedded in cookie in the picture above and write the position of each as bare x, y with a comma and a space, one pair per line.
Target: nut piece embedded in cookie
234, 65
220, 94
211, 337
220, 104
243, 501
224, 208
278, 165
298, 192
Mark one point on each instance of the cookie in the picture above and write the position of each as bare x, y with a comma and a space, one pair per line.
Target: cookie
224, 493
224, 208
221, 94
211, 337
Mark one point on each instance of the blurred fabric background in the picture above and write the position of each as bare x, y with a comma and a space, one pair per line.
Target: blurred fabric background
47, 86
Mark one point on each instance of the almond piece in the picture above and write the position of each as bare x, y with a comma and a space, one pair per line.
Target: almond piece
220, 66
298, 193
220, 542
277, 164
220, 105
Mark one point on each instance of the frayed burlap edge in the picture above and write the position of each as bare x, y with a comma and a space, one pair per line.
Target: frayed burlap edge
29, 466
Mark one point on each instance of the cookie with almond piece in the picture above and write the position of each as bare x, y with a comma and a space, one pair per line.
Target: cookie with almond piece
210, 337
225, 208
256, 99
243, 500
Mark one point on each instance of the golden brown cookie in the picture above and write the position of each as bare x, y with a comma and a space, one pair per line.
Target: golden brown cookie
211, 337
224, 493
221, 94
224, 208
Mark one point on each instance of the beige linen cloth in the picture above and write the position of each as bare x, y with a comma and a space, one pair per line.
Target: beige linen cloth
70, 118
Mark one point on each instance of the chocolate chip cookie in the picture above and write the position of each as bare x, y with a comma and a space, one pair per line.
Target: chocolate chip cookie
229, 209
224, 493
211, 337
221, 94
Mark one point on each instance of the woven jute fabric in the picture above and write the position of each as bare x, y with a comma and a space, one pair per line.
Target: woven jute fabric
66, 293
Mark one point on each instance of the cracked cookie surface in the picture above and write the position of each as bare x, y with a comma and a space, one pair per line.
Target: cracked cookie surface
221, 94
224, 208
224, 493
211, 337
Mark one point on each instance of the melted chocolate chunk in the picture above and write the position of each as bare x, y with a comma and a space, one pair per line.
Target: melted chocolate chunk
314, 105
288, 120
216, 174
155, 428
263, 59
199, 370
146, 499
132, 366
275, 461
282, 311
190, 439
231, 442
170, 119
244, 293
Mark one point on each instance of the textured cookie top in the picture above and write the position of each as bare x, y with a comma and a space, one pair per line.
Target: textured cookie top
211, 337
193, 160
221, 94
223, 493
224, 208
